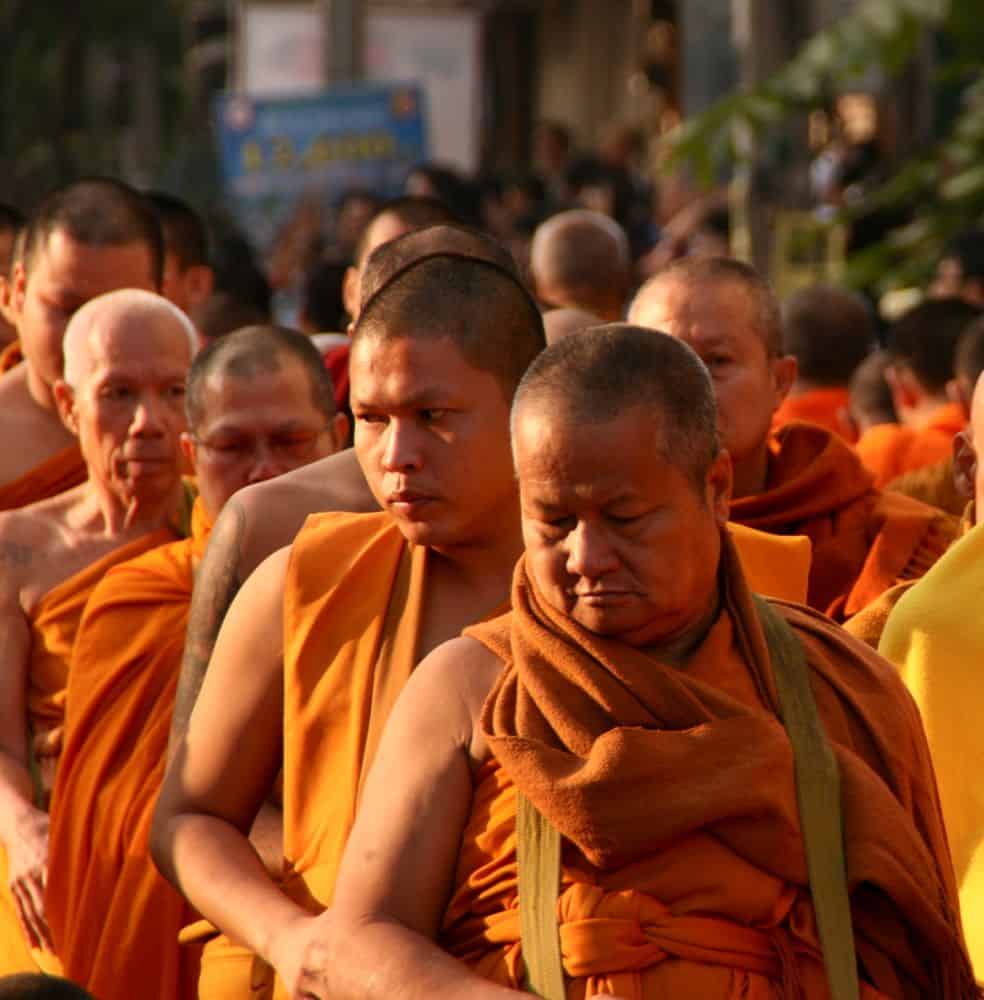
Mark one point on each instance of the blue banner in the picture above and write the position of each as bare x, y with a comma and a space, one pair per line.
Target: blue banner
277, 153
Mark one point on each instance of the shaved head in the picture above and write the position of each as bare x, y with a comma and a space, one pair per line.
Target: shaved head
596, 375
399, 216
558, 323
254, 350
114, 310
699, 274
870, 394
581, 259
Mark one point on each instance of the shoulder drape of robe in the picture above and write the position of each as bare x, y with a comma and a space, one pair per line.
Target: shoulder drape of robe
683, 868
935, 635
114, 919
55, 475
825, 407
53, 627
864, 540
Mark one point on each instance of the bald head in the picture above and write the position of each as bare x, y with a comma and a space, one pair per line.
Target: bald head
870, 394
559, 323
690, 279
596, 375
115, 315
470, 295
256, 350
399, 216
581, 259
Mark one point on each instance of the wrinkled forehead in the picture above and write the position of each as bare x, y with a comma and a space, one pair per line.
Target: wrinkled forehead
153, 338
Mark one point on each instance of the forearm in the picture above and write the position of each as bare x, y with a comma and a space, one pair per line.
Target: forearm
382, 960
267, 837
217, 870
16, 796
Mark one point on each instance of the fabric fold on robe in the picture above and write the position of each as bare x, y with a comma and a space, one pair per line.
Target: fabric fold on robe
891, 450
53, 476
114, 919
935, 636
683, 869
827, 408
864, 540
53, 627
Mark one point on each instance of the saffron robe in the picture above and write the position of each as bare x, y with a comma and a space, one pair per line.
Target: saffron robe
53, 627
864, 541
53, 476
826, 407
935, 635
683, 868
114, 919
891, 450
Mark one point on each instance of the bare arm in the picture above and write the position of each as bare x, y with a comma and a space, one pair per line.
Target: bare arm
223, 770
23, 826
397, 874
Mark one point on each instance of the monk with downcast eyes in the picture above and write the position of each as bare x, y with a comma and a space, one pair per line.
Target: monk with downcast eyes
803, 479
634, 658
122, 396
91, 237
259, 403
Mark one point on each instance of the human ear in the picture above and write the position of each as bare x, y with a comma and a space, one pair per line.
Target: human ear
65, 401
340, 431
17, 291
964, 464
784, 371
350, 295
718, 486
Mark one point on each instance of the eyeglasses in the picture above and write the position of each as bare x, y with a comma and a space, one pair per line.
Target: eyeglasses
296, 444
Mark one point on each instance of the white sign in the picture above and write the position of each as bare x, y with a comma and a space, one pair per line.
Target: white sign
442, 52
281, 49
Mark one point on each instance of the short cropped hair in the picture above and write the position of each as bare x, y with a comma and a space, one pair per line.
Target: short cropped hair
184, 231
967, 249
969, 360
829, 330
97, 211
38, 986
251, 350
726, 270
479, 304
870, 393
925, 339
412, 211
595, 375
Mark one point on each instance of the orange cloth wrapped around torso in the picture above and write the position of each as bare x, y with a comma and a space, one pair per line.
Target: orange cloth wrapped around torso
683, 870
114, 919
864, 541
54, 626
826, 407
891, 450
53, 476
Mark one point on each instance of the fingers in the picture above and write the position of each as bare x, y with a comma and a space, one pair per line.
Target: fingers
307, 987
28, 893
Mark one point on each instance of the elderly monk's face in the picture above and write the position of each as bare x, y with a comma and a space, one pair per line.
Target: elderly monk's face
617, 537
719, 323
254, 428
65, 275
129, 406
432, 437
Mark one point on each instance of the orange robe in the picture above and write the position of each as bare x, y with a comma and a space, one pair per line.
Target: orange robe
114, 919
53, 476
11, 356
826, 407
864, 540
932, 484
891, 450
53, 627
683, 869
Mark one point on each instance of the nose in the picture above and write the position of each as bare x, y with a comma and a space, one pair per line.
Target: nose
265, 464
401, 447
589, 554
149, 417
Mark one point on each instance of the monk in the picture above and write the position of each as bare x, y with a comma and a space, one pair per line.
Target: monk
259, 403
126, 357
559, 323
91, 237
333, 625
803, 479
869, 396
934, 636
634, 659
187, 278
829, 331
11, 226
581, 260
923, 349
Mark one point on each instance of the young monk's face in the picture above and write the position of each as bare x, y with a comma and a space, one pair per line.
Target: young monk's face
128, 409
617, 537
64, 275
255, 427
432, 437
720, 324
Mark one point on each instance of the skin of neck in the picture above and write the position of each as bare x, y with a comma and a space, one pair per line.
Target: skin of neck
106, 512
487, 560
38, 389
678, 650
750, 475
804, 385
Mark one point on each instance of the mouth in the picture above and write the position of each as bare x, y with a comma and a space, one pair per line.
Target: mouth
407, 503
602, 598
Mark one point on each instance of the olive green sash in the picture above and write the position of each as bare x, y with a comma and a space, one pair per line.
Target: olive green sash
819, 799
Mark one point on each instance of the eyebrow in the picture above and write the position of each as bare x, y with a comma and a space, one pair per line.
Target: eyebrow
422, 398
